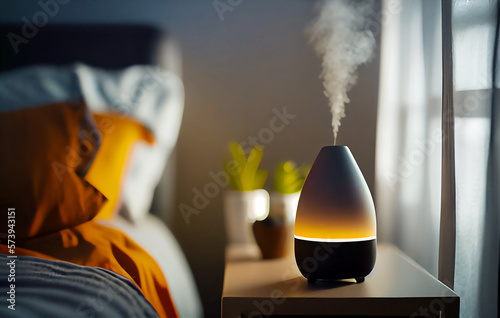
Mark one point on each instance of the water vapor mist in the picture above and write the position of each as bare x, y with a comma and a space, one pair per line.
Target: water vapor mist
340, 37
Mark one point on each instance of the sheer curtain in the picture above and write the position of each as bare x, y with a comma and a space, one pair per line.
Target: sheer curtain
408, 167
409, 130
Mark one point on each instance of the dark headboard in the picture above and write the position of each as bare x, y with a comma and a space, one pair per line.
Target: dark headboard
104, 46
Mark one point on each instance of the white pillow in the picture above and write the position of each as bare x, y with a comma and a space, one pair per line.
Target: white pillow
155, 98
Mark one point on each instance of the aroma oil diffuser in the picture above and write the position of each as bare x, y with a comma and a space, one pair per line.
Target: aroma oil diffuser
335, 226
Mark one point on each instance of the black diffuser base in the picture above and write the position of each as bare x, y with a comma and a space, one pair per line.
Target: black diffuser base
325, 261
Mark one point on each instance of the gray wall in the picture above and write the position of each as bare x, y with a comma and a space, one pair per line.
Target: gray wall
236, 71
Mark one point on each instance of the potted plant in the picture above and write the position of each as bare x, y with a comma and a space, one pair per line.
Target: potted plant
247, 201
288, 181
274, 235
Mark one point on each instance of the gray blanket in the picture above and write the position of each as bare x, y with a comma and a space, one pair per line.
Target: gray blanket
41, 288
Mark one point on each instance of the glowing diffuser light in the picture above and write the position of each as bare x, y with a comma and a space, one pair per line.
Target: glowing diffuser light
335, 225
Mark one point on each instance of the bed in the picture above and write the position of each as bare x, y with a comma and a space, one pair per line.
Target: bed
90, 116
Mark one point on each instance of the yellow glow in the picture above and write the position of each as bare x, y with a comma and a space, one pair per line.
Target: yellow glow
338, 224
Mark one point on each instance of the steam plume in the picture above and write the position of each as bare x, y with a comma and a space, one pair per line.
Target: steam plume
340, 36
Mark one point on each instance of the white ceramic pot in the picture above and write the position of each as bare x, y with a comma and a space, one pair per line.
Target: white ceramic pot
284, 206
241, 210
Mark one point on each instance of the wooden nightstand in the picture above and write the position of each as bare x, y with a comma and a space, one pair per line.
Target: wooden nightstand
397, 287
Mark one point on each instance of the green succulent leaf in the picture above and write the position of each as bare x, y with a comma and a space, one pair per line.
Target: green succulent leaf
243, 172
260, 178
250, 171
231, 170
288, 178
238, 154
